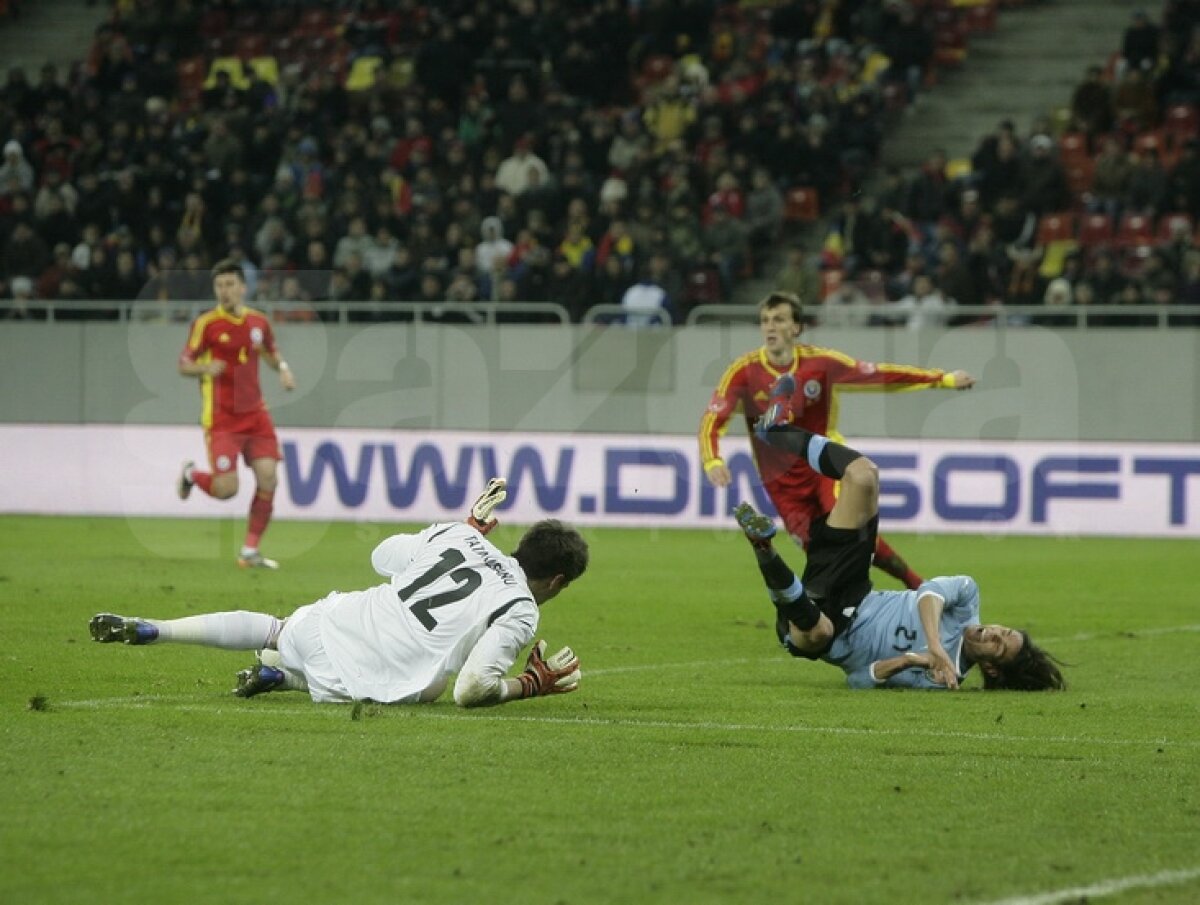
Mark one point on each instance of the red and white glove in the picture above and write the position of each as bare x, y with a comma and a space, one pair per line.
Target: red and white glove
557, 675
481, 510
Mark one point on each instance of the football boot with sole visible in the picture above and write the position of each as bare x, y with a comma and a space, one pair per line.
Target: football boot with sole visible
758, 528
258, 679
109, 628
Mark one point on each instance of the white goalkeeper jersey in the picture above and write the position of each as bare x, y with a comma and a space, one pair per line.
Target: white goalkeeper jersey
453, 603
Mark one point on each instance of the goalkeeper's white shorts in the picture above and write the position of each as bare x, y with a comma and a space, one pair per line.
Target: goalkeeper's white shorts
301, 651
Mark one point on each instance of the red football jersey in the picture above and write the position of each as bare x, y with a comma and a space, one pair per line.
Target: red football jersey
217, 336
819, 374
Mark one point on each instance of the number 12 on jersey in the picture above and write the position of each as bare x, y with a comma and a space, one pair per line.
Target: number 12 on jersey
466, 578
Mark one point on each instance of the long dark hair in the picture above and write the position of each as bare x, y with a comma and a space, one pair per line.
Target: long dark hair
1031, 670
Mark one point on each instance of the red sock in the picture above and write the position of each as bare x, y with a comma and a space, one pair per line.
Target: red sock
203, 480
260, 515
890, 561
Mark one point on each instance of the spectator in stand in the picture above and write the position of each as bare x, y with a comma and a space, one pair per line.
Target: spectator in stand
646, 302
25, 253
1139, 48
610, 283
909, 46
1183, 185
1111, 176
955, 277
16, 174
764, 210
628, 143
1091, 104
568, 286
725, 242
355, 242
1134, 100
513, 174
21, 289
1146, 192
669, 115
927, 192
1043, 182
846, 305
925, 306
798, 277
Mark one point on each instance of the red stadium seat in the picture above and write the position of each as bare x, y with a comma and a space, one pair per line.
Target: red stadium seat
314, 22
1181, 123
1136, 230
214, 23
1073, 147
192, 74
1172, 222
1080, 176
801, 205
1096, 229
251, 45
981, 19
703, 287
950, 45
1057, 227
1150, 141
657, 67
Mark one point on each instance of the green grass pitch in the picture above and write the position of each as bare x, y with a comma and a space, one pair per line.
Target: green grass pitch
697, 763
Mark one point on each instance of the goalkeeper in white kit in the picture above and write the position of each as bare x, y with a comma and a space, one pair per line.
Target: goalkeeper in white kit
452, 604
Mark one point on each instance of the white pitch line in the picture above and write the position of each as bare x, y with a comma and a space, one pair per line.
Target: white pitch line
189, 705
1105, 888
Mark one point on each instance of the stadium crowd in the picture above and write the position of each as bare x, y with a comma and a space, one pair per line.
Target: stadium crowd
447, 151
464, 151
1094, 207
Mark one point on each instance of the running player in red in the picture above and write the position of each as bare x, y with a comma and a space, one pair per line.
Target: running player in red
799, 494
223, 350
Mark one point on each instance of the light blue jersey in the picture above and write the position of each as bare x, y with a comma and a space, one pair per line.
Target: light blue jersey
888, 625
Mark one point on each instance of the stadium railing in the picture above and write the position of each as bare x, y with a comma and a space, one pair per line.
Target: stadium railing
603, 315
483, 313
1075, 316
493, 313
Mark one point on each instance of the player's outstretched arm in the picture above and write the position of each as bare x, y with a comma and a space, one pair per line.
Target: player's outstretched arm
480, 685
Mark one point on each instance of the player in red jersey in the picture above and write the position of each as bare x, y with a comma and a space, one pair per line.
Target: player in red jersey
223, 350
799, 494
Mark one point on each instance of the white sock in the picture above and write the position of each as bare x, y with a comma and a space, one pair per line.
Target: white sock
240, 630
248, 551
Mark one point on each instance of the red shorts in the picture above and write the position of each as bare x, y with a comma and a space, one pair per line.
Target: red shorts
801, 505
252, 436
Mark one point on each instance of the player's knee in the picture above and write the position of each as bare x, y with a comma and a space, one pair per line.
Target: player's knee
862, 474
267, 483
224, 487
811, 642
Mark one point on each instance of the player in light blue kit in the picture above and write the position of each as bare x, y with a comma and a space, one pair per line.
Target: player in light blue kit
926, 638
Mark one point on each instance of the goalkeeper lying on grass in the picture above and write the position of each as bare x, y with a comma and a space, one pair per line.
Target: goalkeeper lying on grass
453, 603
925, 638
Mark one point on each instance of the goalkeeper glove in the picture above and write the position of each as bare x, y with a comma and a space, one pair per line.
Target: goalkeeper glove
557, 675
481, 510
